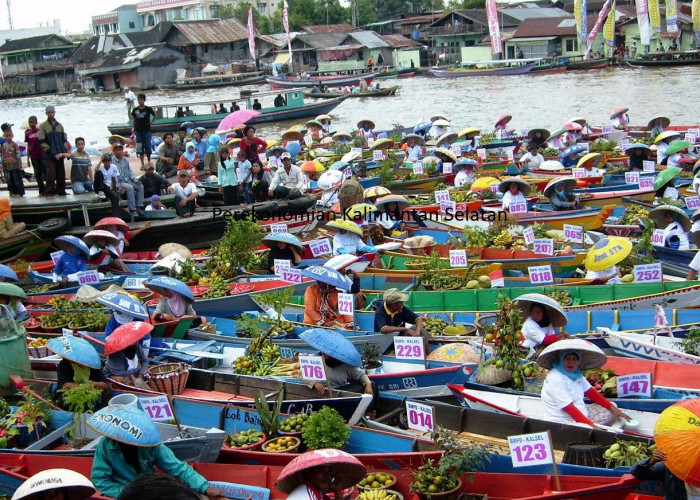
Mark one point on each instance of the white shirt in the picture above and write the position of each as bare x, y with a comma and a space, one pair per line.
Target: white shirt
349, 241
463, 177
111, 173
129, 97
184, 192
671, 192
291, 180
593, 172
674, 160
676, 229
558, 392
413, 153
509, 199
591, 275
386, 220
436, 132
695, 263
530, 161
534, 334
661, 152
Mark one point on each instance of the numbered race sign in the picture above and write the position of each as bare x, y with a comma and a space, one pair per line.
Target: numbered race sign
632, 177
690, 137
88, 277
578, 173
448, 207
624, 144
378, 155
286, 353
509, 156
657, 237
417, 168
524, 132
648, 166
544, 246
573, 233
134, 283
420, 416
607, 129
370, 142
381, 135
55, 256
529, 235
281, 264
518, 208
447, 168
541, 275
157, 407
346, 304
692, 202
481, 153
311, 368
646, 182
409, 348
458, 258
356, 150
530, 449
494, 188
648, 273
457, 151
67, 332
308, 140
347, 172
442, 195
637, 384
278, 228
291, 275
320, 247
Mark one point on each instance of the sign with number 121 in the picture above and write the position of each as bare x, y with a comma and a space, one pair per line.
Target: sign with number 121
530, 449
157, 407
420, 416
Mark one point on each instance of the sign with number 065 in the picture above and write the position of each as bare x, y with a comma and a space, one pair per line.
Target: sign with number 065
346, 304
409, 347
157, 407
637, 384
88, 277
458, 258
573, 233
540, 275
648, 273
530, 449
420, 416
312, 368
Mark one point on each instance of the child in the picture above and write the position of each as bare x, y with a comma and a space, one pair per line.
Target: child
35, 155
156, 204
12, 163
243, 172
228, 182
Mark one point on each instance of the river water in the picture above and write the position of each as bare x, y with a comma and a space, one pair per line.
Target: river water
533, 100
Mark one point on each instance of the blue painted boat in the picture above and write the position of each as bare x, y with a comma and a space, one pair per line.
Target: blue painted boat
38, 277
409, 374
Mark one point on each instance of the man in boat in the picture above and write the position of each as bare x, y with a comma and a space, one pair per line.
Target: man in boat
288, 181
153, 184
127, 181
280, 101
256, 105
143, 117
392, 317
654, 469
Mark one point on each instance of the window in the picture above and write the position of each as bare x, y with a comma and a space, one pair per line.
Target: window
132, 25
262, 7
572, 45
199, 14
213, 10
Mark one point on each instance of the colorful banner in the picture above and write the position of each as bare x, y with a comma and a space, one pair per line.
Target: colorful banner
609, 29
671, 16
695, 13
581, 21
285, 23
654, 15
494, 28
596, 28
251, 34
643, 21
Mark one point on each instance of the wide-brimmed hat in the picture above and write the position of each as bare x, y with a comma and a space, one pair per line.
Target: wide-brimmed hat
125, 335
312, 167
503, 119
437, 117
593, 158
578, 119
557, 133
126, 424
556, 313
665, 122
569, 185
445, 155
441, 123
522, 185
381, 144
638, 145
591, 355
375, 192
314, 123
464, 163
74, 484
469, 130
658, 215
330, 179
367, 121
75, 349
341, 135
123, 303
91, 237
394, 295
12, 290
345, 225
287, 238
619, 111
665, 176
531, 133
68, 239
327, 275
607, 252
392, 198
111, 221
347, 469
292, 135
666, 135
322, 118
676, 147
171, 284
6, 272
573, 150
271, 151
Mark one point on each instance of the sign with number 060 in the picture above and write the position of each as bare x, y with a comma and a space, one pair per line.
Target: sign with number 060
648, 273
409, 347
278, 228
420, 416
312, 368
458, 258
636, 384
157, 407
530, 449
88, 277
540, 275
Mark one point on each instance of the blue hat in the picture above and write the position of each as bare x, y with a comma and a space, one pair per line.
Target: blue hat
155, 197
572, 150
333, 344
8, 273
126, 424
68, 239
287, 238
167, 283
124, 303
75, 349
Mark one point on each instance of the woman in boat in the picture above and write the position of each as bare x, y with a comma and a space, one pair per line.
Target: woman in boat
252, 145
365, 129
538, 330
321, 306
440, 127
561, 195
343, 376
658, 125
11, 306
122, 456
73, 260
465, 172
315, 130
514, 191
501, 130
654, 469
566, 386
104, 252
638, 153
471, 140
126, 357
55, 484
349, 241
211, 158
532, 159
188, 162
177, 300
662, 142
668, 190
414, 149
675, 225
620, 119
602, 259
571, 155
261, 179
589, 163
389, 216
121, 230
283, 246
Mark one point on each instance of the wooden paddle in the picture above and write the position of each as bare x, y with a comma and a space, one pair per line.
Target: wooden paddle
18, 382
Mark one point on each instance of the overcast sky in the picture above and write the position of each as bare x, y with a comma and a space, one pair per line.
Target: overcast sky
75, 15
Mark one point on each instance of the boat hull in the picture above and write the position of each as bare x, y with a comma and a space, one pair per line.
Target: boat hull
461, 73
293, 83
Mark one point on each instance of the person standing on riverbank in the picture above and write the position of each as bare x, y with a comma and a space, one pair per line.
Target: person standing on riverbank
143, 117
130, 99
35, 155
54, 142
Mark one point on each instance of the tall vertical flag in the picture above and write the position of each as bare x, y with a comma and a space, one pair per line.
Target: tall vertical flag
643, 21
598, 23
695, 12
285, 23
609, 29
671, 16
580, 11
494, 29
251, 34
654, 15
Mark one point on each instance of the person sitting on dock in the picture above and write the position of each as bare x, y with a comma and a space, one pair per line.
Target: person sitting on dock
185, 195
106, 181
153, 184
168, 157
288, 181
188, 161
130, 185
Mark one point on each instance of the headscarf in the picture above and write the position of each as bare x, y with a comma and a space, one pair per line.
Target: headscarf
559, 364
190, 156
81, 374
177, 304
122, 318
325, 309
213, 143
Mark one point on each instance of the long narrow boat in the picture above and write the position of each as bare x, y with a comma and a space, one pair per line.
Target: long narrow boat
26, 245
667, 58
327, 81
667, 375
385, 92
486, 71
206, 82
415, 185
658, 348
398, 374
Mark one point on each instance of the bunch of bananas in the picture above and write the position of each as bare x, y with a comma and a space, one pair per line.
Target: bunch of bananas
377, 495
269, 353
561, 296
257, 260
434, 326
632, 213
282, 327
476, 237
463, 196
502, 240
217, 288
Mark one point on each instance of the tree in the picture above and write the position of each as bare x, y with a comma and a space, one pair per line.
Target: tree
225, 11
240, 12
366, 12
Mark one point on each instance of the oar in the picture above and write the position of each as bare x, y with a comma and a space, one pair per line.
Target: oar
18, 382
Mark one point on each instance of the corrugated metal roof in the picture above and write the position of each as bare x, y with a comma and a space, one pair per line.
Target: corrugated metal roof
322, 40
399, 41
34, 42
213, 32
279, 39
543, 12
548, 26
368, 39
328, 28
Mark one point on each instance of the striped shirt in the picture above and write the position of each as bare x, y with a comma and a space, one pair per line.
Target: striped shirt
80, 165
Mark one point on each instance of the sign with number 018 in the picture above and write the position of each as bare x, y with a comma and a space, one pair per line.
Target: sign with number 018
320, 247
573, 233
637, 384
312, 368
458, 258
417, 168
530, 449
157, 407
540, 275
529, 235
278, 228
544, 246
409, 347
657, 237
420, 416
346, 304
648, 273
88, 277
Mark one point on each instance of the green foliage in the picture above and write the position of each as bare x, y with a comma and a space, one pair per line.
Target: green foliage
371, 356
276, 299
32, 412
225, 11
691, 343
249, 326
326, 428
269, 419
189, 271
234, 248
80, 399
4, 407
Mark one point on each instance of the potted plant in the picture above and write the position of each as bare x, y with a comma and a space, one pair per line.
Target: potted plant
269, 418
371, 358
80, 400
326, 428
443, 479
28, 421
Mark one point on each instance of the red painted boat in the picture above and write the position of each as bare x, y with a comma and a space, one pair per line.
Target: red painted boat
407, 75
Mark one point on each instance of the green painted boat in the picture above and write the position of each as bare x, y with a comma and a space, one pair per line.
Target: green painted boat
26, 246
415, 185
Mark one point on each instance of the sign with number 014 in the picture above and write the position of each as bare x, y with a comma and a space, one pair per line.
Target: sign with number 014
573, 233
88, 277
648, 273
278, 228
420, 416
409, 347
637, 384
530, 449
692, 202
320, 247
540, 275
529, 235
458, 258
417, 168
311, 368
544, 246
157, 407
447, 168
657, 237
346, 304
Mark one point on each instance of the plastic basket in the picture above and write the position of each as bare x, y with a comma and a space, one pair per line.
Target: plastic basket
170, 378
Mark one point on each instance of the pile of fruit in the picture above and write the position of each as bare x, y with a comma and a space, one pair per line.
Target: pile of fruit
189, 271
295, 423
56, 319
376, 481
279, 327
561, 296
603, 381
627, 453
443, 281
38, 342
502, 240
632, 214
263, 359
428, 479
43, 288
217, 288
377, 495
93, 318
281, 444
244, 438
434, 326
506, 336
549, 152
601, 145
456, 330
257, 260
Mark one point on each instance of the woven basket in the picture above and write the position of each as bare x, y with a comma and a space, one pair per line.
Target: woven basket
493, 375
169, 378
486, 319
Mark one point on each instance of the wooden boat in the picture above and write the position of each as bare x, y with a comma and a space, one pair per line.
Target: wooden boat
400, 73
547, 69
295, 107
587, 64
206, 82
414, 185
327, 81
76, 208
397, 374
389, 91
636, 345
26, 245
484, 68
532, 407
666, 58
681, 378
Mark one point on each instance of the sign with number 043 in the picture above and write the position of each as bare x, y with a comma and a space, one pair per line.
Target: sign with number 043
409, 347
420, 416
637, 384
648, 273
530, 449
312, 368
320, 247
157, 407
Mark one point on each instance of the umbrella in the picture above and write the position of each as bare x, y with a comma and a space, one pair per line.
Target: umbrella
292, 135
441, 123
619, 111
665, 176
658, 215
556, 313
392, 198
339, 165
591, 355
665, 135
323, 118
312, 167
126, 424
171, 284
293, 148
74, 484
75, 349
64, 240
557, 133
94, 235
569, 184
330, 179
573, 127
484, 183
469, 130
419, 140
271, 151
347, 469
422, 127
333, 344
579, 120
531, 133
573, 150
367, 121
328, 276
464, 162
12, 290
665, 122
638, 145
593, 158
435, 118
676, 433
351, 156
340, 262
522, 185
234, 141
341, 135
125, 335
314, 123
551, 165
503, 120
345, 225
445, 154
375, 192
607, 252
7, 272
677, 146
382, 144
106, 222
287, 238
360, 210
124, 304
239, 117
